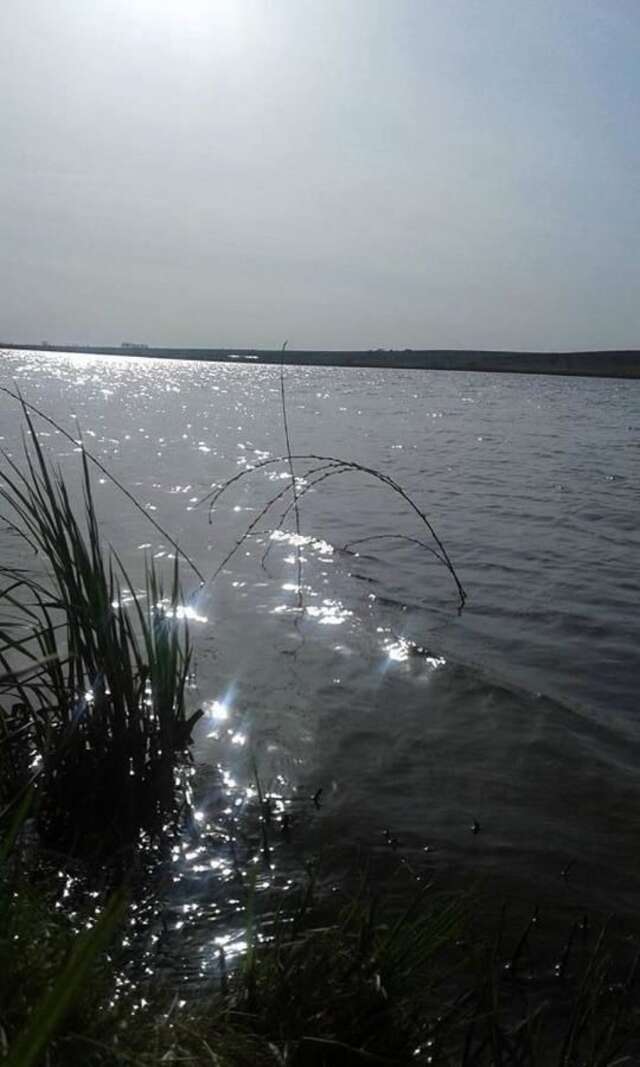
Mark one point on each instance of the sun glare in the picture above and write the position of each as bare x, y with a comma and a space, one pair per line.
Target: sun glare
225, 20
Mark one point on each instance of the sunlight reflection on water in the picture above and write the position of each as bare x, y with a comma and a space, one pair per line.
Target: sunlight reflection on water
552, 609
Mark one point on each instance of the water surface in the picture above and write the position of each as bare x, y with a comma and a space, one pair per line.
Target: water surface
520, 714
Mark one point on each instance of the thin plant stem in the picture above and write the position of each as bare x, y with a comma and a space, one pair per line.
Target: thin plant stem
294, 488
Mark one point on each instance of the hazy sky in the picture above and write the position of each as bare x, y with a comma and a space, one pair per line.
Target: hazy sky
341, 173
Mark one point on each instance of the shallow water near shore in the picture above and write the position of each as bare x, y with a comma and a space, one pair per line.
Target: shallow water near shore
517, 717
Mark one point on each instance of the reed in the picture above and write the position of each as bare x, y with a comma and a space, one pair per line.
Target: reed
92, 697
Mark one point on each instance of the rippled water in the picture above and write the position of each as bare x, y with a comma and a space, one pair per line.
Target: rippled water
520, 714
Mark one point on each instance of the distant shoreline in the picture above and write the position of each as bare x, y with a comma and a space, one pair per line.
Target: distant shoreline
591, 364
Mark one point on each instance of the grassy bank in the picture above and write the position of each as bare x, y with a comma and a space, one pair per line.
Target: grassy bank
346, 982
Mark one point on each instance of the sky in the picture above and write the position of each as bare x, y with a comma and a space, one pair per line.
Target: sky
337, 173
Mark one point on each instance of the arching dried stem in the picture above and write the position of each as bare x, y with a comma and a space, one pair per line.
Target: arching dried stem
326, 467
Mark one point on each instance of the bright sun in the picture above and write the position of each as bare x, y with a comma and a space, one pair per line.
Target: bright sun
227, 26
221, 14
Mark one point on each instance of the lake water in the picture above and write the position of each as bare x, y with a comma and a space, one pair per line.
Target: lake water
520, 714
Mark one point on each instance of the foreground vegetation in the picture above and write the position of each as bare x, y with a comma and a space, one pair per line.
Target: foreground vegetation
94, 716
94, 760
355, 984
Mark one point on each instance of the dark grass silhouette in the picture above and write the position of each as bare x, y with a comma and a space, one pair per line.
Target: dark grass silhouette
94, 718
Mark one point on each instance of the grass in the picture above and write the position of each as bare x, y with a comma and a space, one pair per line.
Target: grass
351, 983
93, 692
